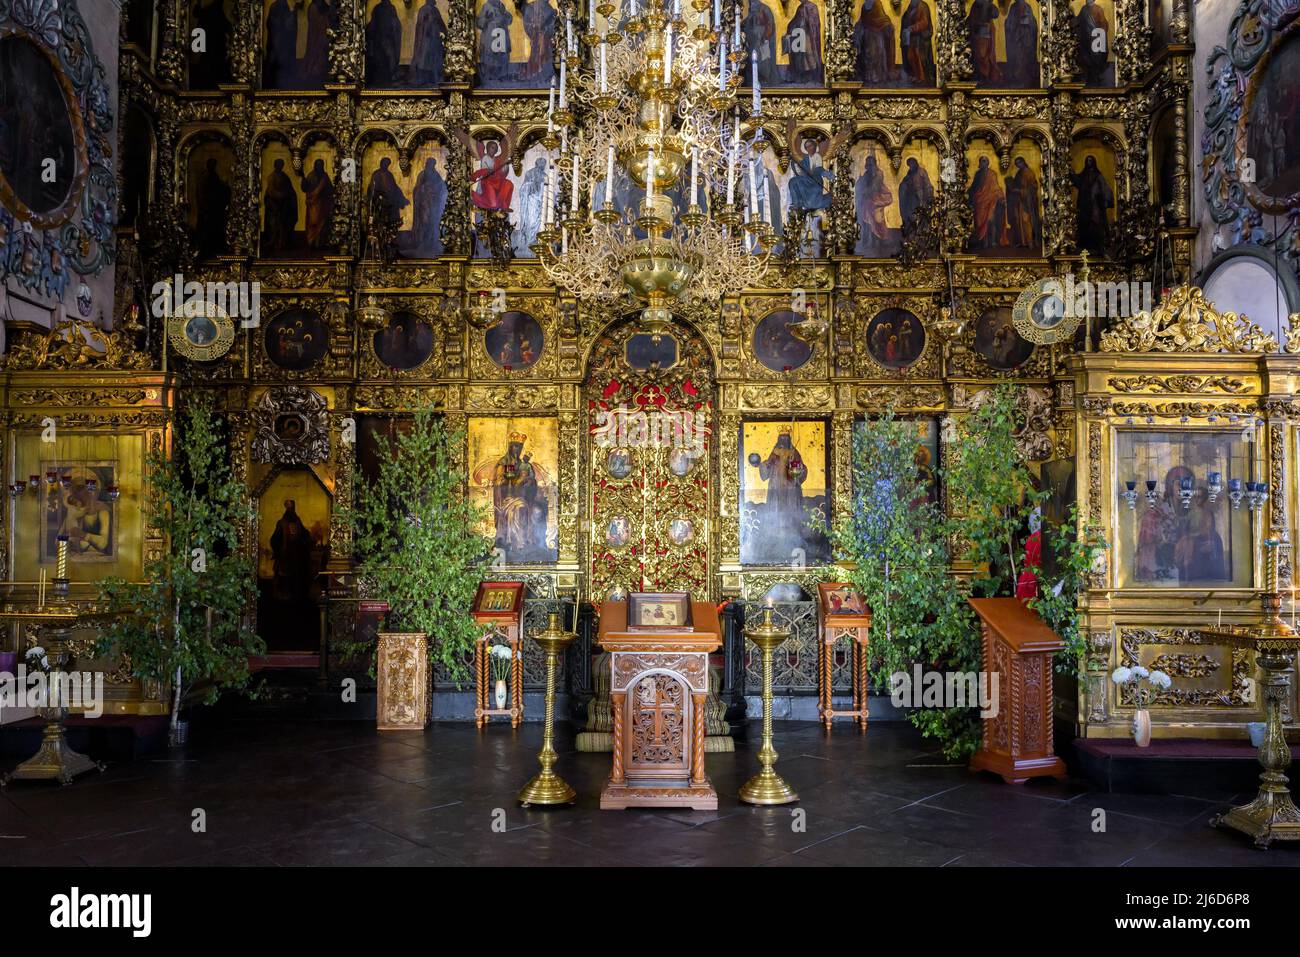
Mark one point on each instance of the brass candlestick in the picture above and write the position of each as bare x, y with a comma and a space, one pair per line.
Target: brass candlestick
767, 787
1273, 815
54, 759
547, 787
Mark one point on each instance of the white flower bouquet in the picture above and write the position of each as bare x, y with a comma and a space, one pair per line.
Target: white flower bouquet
499, 661
1146, 684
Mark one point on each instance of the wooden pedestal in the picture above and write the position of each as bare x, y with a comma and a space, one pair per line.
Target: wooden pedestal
498, 607
1018, 647
484, 705
403, 672
832, 626
659, 683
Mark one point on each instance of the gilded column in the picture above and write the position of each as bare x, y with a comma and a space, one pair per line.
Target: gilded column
458, 60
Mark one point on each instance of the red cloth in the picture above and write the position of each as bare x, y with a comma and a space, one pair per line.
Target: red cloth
1027, 583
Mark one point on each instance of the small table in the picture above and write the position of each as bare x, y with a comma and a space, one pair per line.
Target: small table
659, 683
499, 607
842, 613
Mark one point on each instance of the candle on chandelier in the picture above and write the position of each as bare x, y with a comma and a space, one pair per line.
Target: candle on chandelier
568, 32
609, 176
668, 56
550, 108
717, 13
677, 9
564, 98
771, 208
591, 15
577, 175
753, 62
695, 176
753, 188
722, 65
61, 559
735, 37
604, 81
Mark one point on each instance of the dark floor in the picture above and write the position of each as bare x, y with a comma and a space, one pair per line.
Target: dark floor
284, 793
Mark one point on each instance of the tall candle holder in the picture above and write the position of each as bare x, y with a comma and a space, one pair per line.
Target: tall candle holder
1272, 815
767, 787
54, 759
547, 787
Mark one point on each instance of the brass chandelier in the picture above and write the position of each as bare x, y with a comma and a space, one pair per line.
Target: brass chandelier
655, 101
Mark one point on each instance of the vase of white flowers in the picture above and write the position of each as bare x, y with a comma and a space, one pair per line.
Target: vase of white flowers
1145, 686
500, 662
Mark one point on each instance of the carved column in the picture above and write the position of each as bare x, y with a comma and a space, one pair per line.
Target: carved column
699, 701
1058, 203
456, 219
458, 59
244, 46
241, 231
347, 43
952, 48
844, 224
346, 229
841, 64
173, 40
618, 704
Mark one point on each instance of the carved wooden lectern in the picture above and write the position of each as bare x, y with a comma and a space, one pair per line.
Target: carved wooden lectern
659, 682
1018, 647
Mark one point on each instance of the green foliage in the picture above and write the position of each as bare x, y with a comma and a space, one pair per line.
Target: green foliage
990, 490
184, 624
1057, 602
897, 541
416, 543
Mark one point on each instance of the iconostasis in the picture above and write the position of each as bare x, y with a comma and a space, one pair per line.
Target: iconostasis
395, 153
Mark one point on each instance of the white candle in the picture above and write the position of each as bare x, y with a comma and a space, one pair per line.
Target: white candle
604, 82
753, 187
564, 99
771, 207
695, 176
668, 56
577, 175
591, 15
550, 109
753, 60
650, 182
735, 37
555, 191
609, 176
722, 65
677, 9
717, 12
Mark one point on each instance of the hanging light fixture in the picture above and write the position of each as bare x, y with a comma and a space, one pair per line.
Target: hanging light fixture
658, 106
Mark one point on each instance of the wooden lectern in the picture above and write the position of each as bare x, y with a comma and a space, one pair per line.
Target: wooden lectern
1018, 647
659, 682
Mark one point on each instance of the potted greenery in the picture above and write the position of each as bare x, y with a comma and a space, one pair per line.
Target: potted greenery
184, 625
896, 542
417, 542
